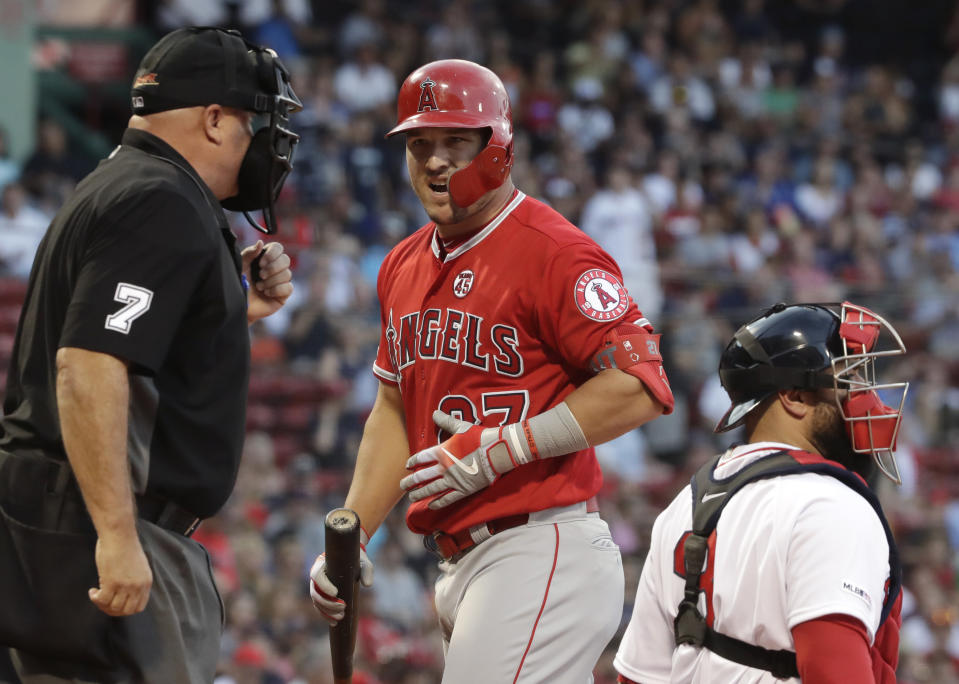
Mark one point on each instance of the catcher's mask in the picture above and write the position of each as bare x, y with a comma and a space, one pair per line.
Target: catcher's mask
455, 93
202, 65
811, 346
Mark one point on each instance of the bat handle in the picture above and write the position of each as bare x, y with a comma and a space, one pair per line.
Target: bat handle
342, 557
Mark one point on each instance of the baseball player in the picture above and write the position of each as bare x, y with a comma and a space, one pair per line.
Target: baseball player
776, 562
509, 347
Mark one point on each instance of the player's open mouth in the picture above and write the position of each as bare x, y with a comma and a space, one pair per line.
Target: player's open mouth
437, 187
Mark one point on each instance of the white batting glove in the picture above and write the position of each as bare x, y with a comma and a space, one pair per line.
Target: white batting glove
472, 459
323, 592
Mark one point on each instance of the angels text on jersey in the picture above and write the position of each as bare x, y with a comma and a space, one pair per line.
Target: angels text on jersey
454, 336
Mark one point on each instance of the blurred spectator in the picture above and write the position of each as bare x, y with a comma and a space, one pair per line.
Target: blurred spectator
767, 185
9, 167
451, 37
540, 103
781, 99
662, 185
649, 62
21, 227
250, 666
822, 103
681, 88
880, 111
363, 83
949, 93
50, 173
619, 219
399, 595
819, 199
754, 245
258, 12
744, 78
277, 27
584, 119
916, 173
752, 23
702, 32
173, 14
596, 56
365, 25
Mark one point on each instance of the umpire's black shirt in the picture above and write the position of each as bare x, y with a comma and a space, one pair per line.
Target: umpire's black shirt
141, 264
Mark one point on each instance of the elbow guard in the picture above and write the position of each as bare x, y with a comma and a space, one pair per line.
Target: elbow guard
634, 350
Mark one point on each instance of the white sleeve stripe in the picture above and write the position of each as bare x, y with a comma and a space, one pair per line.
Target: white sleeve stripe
385, 374
512, 432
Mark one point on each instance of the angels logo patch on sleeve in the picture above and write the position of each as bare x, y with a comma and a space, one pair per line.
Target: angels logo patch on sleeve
600, 296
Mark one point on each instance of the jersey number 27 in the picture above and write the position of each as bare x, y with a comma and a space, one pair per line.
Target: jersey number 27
512, 405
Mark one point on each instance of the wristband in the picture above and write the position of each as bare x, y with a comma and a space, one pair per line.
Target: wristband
552, 433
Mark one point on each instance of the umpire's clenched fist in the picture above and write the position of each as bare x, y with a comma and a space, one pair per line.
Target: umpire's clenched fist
125, 577
273, 283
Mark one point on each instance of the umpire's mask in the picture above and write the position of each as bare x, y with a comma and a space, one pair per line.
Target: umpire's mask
204, 65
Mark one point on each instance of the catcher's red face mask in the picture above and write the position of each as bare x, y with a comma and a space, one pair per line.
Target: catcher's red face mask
872, 424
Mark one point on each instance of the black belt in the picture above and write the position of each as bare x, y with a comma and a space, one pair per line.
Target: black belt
166, 514
159, 511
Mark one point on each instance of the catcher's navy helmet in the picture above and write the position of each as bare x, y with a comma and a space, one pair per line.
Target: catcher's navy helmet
788, 347
810, 346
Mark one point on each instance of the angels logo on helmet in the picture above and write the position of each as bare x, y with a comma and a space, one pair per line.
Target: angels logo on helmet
427, 99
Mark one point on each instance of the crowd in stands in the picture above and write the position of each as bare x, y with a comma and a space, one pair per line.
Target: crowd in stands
729, 154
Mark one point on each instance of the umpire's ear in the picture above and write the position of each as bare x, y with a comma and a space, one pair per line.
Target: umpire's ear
214, 123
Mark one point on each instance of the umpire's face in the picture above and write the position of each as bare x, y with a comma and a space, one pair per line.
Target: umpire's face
231, 130
432, 156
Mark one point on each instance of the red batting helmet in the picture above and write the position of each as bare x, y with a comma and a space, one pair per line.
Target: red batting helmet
455, 93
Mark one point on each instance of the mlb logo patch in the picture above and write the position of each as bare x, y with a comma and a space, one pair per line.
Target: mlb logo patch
856, 590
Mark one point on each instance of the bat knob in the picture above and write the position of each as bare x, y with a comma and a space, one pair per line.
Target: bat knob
342, 520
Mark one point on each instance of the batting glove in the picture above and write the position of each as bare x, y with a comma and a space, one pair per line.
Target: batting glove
471, 460
323, 592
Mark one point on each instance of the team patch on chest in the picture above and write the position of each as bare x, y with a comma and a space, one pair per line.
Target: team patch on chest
600, 296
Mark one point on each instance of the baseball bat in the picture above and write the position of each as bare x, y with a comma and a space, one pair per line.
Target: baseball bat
343, 569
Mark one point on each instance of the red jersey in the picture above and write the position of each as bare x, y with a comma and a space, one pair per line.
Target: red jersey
501, 329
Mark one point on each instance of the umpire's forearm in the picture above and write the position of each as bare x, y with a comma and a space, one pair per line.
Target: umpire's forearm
380, 461
93, 401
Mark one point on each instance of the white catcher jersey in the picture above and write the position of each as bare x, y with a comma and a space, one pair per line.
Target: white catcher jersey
788, 549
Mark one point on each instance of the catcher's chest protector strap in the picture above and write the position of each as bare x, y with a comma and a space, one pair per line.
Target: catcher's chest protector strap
690, 626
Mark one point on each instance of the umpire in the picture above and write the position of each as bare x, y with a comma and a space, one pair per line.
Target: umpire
125, 407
